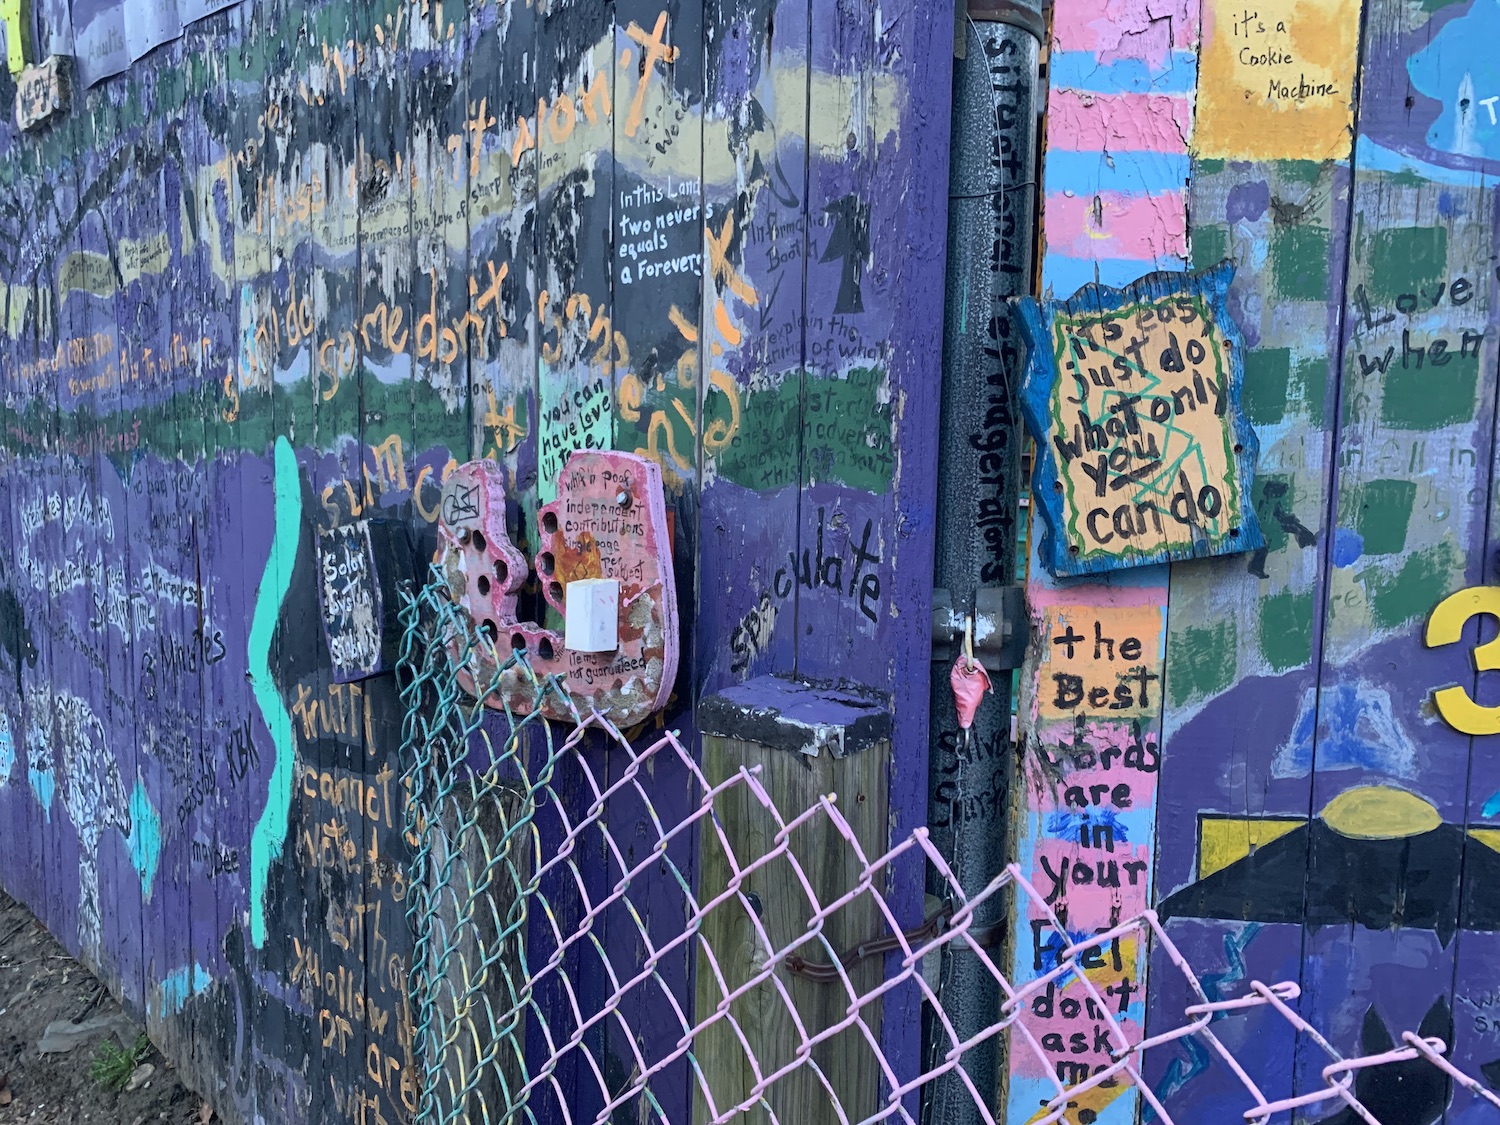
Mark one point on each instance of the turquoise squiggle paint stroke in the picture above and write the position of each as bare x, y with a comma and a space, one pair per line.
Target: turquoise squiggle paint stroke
44, 785
7, 751
180, 984
145, 837
269, 836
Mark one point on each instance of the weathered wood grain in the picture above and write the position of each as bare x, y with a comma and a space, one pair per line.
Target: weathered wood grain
841, 1080
349, 164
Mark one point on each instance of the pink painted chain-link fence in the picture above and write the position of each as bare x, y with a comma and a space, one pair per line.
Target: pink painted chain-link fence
609, 933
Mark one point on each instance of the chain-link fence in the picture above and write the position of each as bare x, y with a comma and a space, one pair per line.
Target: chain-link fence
605, 933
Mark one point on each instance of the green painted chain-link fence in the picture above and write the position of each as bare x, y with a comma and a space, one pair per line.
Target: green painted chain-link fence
470, 811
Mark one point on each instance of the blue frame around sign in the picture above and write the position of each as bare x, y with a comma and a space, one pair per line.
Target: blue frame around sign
1036, 317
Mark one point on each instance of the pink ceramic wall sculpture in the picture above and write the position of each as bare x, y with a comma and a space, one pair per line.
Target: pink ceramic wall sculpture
609, 521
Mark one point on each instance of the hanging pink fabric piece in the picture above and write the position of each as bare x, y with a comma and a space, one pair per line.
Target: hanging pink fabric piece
970, 682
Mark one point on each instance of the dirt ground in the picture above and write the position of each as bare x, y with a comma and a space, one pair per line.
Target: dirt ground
40, 984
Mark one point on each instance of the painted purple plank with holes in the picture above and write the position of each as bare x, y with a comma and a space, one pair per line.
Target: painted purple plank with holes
608, 521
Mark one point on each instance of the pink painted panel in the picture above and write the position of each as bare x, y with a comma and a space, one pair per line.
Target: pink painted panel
1125, 29
1145, 228
1079, 121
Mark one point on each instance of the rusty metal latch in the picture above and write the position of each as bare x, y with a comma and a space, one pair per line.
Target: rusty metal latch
1002, 627
824, 973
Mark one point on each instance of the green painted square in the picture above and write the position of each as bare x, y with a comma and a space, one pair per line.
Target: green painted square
1312, 375
1423, 580
1274, 492
1202, 662
1302, 171
1384, 514
1268, 376
1429, 398
1210, 245
1286, 630
1403, 258
1207, 167
1299, 256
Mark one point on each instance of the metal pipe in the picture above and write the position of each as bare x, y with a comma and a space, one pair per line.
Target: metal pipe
991, 237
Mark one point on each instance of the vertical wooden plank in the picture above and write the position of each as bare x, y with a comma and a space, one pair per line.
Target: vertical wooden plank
1245, 635
173, 847
176, 999
315, 901
502, 189
122, 228
72, 716
190, 923
252, 359
664, 406
220, 855
1414, 457
843, 1079
59, 910
391, 122
1111, 224
879, 84
752, 368
159, 526
344, 904
65, 917
28, 579
847, 340
25, 313
28, 886
66, 589
578, 339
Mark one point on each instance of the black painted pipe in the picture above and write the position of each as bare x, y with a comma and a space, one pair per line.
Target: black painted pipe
991, 244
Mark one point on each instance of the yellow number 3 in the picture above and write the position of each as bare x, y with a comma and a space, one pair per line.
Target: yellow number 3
1446, 627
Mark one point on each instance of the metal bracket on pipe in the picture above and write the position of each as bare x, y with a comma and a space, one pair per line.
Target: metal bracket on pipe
1002, 627
1017, 13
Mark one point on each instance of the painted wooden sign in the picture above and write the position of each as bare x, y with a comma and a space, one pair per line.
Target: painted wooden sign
1133, 397
1276, 79
608, 521
349, 595
41, 94
1091, 771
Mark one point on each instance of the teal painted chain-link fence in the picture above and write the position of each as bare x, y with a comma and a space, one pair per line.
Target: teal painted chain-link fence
471, 799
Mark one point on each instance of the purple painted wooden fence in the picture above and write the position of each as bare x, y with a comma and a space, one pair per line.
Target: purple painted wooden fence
265, 290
